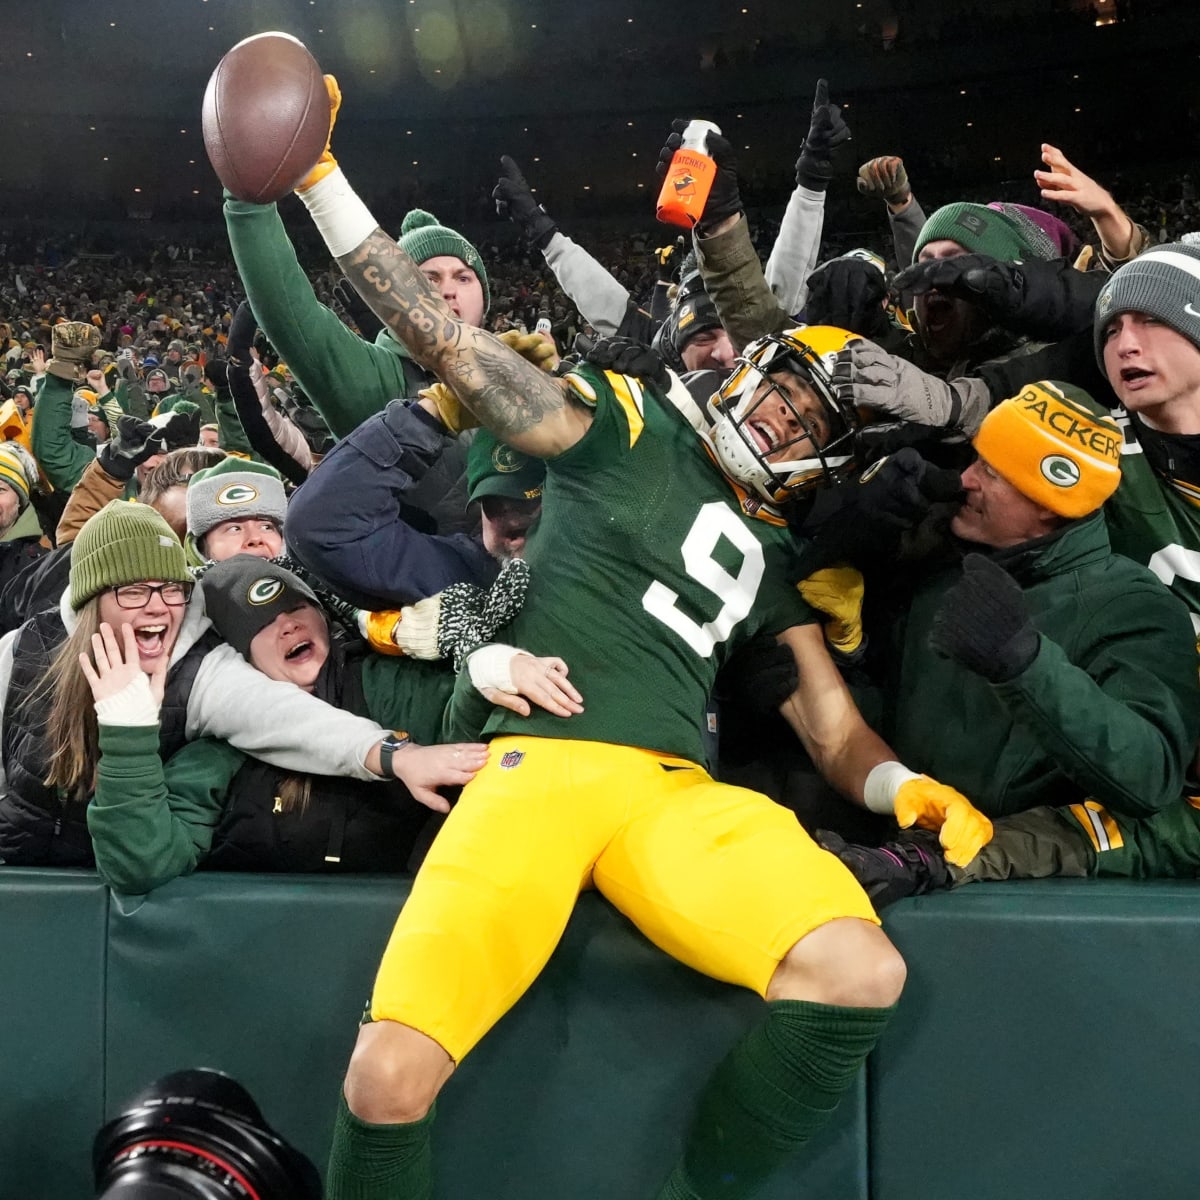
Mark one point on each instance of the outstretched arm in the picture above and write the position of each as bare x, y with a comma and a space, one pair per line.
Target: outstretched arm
521, 404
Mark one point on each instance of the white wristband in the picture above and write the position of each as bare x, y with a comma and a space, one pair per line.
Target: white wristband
883, 782
489, 667
134, 704
341, 218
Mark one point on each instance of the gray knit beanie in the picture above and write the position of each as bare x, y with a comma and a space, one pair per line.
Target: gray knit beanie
1164, 282
235, 487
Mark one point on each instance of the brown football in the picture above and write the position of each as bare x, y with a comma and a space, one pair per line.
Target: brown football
266, 117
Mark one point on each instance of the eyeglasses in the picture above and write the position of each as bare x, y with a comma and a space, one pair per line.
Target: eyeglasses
137, 595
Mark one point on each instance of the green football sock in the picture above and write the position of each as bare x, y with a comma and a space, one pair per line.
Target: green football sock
379, 1162
770, 1095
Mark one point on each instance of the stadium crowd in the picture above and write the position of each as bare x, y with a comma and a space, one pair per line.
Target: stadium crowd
896, 537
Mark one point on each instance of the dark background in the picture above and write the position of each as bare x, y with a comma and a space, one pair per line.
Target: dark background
102, 108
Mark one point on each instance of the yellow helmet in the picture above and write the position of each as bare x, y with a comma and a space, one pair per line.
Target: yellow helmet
778, 439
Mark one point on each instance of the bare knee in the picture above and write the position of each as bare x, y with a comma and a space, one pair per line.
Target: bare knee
847, 962
395, 1074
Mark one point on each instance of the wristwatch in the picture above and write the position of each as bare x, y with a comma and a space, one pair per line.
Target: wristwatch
394, 741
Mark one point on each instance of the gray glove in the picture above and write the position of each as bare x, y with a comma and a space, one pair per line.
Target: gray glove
864, 375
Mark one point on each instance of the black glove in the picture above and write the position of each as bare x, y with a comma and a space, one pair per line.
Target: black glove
516, 201
266, 352
983, 624
628, 357
724, 199
827, 131
305, 417
759, 676
883, 438
135, 442
1046, 300
179, 426
861, 523
849, 294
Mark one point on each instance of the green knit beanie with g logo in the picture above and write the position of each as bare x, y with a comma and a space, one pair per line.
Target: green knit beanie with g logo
421, 238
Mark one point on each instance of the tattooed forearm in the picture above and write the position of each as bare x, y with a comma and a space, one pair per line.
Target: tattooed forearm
400, 296
508, 394
504, 391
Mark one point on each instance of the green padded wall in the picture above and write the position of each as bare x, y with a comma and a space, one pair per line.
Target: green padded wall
581, 1093
52, 926
1047, 1046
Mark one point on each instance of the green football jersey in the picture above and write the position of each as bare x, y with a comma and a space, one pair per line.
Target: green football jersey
1155, 520
647, 568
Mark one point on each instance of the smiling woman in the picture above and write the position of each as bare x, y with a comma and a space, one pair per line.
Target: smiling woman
123, 709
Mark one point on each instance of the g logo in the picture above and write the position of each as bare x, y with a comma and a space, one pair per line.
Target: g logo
237, 493
506, 460
1061, 471
263, 591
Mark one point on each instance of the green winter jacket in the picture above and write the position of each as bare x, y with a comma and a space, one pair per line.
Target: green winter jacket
152, 821
347, 379
1109, 708
60, 456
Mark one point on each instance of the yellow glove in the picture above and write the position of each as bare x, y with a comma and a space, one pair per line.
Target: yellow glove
379, 630
838, 593
326, 162
450, 409
961, 828
532, 347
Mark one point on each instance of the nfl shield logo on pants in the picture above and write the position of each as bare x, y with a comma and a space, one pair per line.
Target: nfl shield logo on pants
512, 758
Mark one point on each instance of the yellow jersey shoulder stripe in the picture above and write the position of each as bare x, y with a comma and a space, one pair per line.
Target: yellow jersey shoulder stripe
629, 395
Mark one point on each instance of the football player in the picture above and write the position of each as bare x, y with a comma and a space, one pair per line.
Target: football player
661, 548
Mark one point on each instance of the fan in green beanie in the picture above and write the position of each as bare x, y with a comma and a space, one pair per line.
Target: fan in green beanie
422, 238
980, 229
125, 542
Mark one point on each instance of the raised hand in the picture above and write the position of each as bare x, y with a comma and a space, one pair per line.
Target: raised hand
118, 670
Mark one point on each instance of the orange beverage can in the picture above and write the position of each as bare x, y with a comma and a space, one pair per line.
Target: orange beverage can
689, 178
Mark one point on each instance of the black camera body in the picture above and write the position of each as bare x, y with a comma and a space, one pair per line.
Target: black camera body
198, 1135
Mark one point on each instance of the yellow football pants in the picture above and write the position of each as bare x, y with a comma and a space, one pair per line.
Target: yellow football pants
719, 877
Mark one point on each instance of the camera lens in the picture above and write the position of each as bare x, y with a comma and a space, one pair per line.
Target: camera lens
198, 1135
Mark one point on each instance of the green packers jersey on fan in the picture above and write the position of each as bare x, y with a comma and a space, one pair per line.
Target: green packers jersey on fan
1155, 520
646, 570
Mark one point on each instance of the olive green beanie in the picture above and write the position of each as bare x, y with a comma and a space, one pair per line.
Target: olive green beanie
125, 542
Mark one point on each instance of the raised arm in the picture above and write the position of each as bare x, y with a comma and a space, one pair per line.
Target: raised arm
523, 406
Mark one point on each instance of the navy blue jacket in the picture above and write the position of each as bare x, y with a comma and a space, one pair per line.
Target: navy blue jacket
359, 524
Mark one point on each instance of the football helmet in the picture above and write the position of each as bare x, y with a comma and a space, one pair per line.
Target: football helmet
778, 439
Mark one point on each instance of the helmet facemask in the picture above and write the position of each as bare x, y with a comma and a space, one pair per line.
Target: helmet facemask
780, 438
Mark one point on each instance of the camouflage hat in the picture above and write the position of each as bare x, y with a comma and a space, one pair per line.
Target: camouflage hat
74, 340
